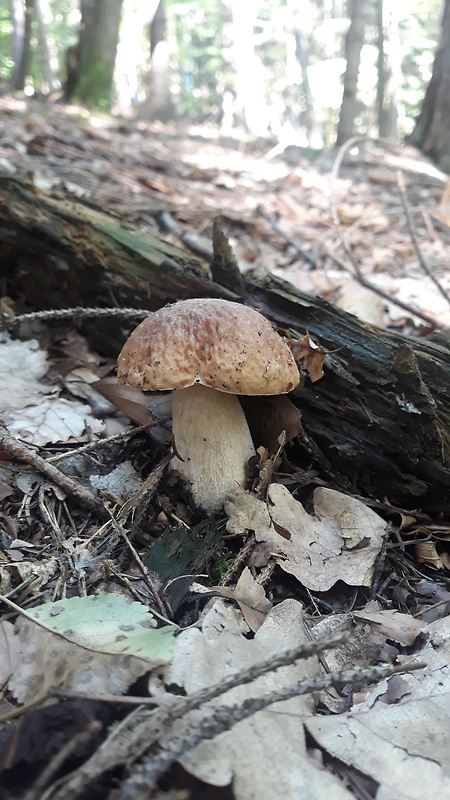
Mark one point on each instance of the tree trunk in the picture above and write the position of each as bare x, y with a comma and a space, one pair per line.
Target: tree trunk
377, 424
312, 130
353, 44
91, 62
17, 14
431, 131
157, 104
389, 68
250, 93
43, 15
22, 19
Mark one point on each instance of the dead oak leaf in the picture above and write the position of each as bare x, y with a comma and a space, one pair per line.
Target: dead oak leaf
315, 549
251, 598
310, 357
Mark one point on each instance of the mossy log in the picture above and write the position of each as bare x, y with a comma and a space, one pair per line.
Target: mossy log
377, 424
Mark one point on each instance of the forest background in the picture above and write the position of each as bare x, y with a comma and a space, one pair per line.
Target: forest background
305, 74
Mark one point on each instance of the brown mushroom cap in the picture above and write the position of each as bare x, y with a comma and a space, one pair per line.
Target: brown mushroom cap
223, 345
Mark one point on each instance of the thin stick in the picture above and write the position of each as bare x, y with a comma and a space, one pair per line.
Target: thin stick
223, 717
412, 233
75, 311
118, 437
69, 485
355, 267
289, 239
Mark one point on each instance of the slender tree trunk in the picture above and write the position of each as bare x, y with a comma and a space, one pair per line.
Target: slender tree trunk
301, 52
158, 104
353, 44
43, 16
431, 133
17, 14
389, 68
250, 93
22, 18
93, 58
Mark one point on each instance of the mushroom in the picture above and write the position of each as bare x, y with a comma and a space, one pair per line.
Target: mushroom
209, 351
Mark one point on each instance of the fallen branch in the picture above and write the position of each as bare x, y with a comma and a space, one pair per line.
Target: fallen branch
145, 775
355, 140
69, 485
412, 232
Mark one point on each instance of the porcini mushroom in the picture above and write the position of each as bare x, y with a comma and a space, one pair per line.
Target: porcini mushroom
209, 351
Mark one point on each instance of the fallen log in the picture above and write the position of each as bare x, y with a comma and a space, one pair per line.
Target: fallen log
377, 424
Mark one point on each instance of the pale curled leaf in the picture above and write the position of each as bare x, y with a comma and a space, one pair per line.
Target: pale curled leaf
265, 755
52, 420
251, 598
22, 365
403, 747
313, 549
401, 628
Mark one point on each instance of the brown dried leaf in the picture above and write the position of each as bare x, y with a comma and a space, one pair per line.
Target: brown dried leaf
316, 552
369, 217
310, 357
401, 628
251, 598
268, 417
426, 553
397, 688
127, 399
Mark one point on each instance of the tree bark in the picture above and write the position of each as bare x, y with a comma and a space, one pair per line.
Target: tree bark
377, 424
249, 80
389, 68
158, 104
17, 14
353, 45
22, 19
431, 131
312, 128
42, 15
91, 61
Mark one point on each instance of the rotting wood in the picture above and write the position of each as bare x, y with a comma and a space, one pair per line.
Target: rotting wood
377, 424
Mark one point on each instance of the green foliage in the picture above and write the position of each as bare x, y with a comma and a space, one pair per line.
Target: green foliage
202, 64
418, 51
6, 31
108, 623
202, 68
61, 33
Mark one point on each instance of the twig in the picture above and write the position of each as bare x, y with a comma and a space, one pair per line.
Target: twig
223, 717
69, 485
149, 485
77, 311
118, 437
412, 233
289, 239
168, 224
355, 267
145, 572
145, 727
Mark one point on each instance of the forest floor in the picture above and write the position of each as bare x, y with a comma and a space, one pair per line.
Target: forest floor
376, 212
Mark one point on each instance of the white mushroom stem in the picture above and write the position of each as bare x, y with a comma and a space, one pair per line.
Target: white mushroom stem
212, 437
